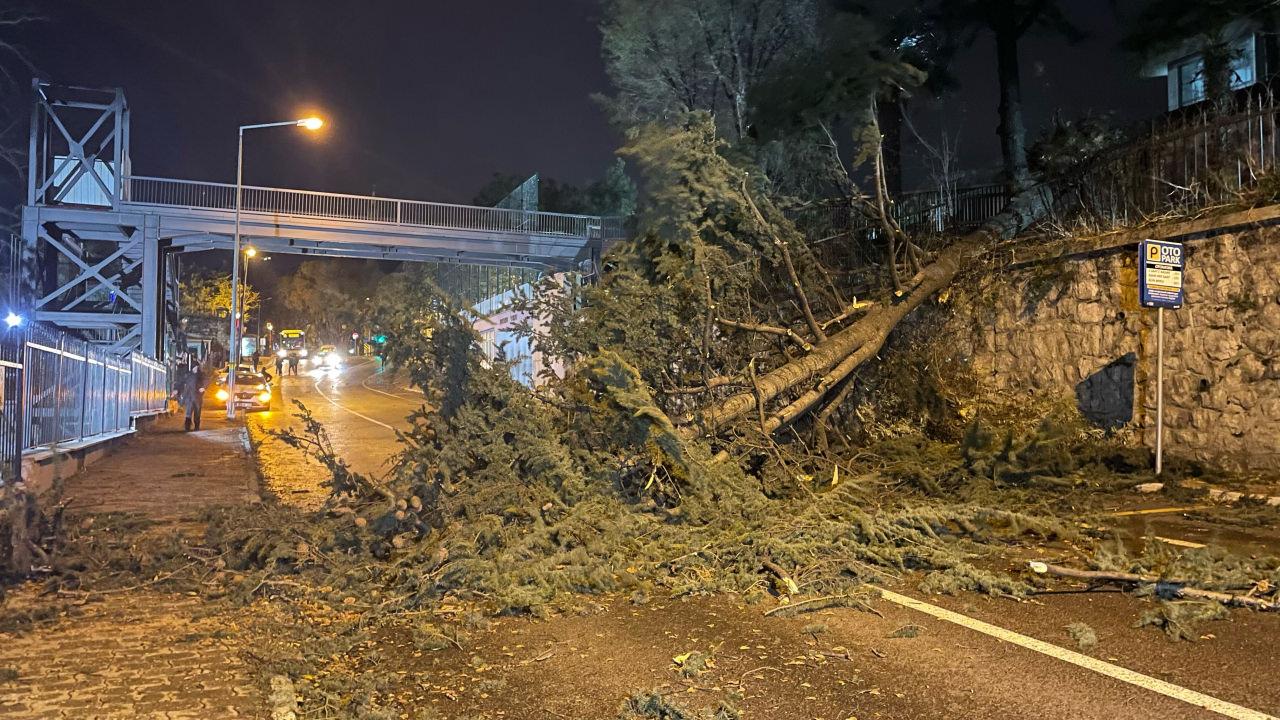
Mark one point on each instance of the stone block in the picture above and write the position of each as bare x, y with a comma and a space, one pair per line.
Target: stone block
1219, 344
1090, 312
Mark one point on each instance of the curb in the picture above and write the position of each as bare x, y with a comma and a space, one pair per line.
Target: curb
1215, 494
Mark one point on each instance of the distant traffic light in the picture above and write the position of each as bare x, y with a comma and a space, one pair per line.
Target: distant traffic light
379, 338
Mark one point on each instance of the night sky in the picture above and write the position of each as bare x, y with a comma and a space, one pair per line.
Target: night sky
427, 99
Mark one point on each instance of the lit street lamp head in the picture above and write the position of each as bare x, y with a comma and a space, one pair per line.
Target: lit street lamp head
250, 252
13, 319
311, 123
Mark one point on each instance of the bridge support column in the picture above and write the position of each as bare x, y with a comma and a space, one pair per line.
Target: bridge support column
29, 268
153, 288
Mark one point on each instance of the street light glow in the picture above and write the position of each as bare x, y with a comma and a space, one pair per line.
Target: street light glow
250, 252
311, 123
13, 319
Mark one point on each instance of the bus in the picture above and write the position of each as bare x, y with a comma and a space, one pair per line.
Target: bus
293, 344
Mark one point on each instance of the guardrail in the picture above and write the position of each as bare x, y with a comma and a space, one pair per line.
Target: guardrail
60, 390
168, 192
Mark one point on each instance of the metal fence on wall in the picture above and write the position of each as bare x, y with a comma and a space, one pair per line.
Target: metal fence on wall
60, 390
1190, 163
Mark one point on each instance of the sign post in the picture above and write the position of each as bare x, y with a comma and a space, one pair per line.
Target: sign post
1160, 265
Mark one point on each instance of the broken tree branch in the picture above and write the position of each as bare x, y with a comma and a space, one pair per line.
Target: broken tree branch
796, 288
768, 330
853, 307
1163, 587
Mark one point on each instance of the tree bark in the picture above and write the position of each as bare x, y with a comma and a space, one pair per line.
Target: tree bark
1012, 131
891, 119
840, 354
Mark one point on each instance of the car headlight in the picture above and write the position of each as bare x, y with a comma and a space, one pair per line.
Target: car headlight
264, 397
221, 394
281, 353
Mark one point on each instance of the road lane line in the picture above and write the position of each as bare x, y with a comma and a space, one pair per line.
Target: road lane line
1175, 541
340, 406
365, 384
1116, 672
1158, 511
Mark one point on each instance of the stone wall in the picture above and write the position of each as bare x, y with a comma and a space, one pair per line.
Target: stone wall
1073, 325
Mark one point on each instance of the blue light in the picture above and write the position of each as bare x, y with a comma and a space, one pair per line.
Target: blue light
13, 319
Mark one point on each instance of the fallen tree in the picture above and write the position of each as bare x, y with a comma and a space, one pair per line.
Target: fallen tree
835, 358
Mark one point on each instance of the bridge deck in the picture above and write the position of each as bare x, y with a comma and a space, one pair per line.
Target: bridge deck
191, 216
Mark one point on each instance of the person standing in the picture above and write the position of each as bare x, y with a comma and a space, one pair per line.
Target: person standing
191, 396
279, 366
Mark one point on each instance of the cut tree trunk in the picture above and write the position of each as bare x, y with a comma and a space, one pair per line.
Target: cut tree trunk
840, 354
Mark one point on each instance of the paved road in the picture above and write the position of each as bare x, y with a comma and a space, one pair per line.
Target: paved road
359, 406
950, 671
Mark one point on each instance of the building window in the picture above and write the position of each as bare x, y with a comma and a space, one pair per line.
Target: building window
1186, 78
1190, 79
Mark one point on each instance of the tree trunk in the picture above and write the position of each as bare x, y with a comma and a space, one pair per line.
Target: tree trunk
1012, 131
840, 354
891, 140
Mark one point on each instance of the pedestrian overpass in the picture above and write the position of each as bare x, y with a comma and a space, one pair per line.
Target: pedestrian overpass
99, 242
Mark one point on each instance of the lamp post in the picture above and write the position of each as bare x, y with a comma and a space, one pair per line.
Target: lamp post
310, 123
241, 311
260, 302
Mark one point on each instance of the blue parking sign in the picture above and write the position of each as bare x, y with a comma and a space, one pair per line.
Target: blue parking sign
1160, 266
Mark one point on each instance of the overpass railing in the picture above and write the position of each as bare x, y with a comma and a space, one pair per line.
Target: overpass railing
167, 192
60, 390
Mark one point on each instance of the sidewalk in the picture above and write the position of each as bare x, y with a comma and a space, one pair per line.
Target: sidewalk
139, 653
167, 474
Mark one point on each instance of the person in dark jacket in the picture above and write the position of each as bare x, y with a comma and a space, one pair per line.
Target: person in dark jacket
191, 396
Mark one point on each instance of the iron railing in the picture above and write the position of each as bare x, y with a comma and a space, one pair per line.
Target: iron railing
189, 194
1199, 162
932, 211
1206, 161
60, 390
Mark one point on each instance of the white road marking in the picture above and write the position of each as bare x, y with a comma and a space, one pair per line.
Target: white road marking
340, 406
1146, 682
1158, 511
1175, 541
365, 384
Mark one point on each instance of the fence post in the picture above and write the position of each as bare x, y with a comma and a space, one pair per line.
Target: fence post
26, 391
57, 392
19, 386
84, 391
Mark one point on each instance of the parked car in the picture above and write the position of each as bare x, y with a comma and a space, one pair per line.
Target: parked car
253, 389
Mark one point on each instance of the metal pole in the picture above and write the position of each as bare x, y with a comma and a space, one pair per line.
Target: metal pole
57, 394
240, 309
1159, 390
233, 353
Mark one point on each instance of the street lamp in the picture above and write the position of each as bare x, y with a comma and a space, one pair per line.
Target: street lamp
249, 253
308, 123
260, 303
